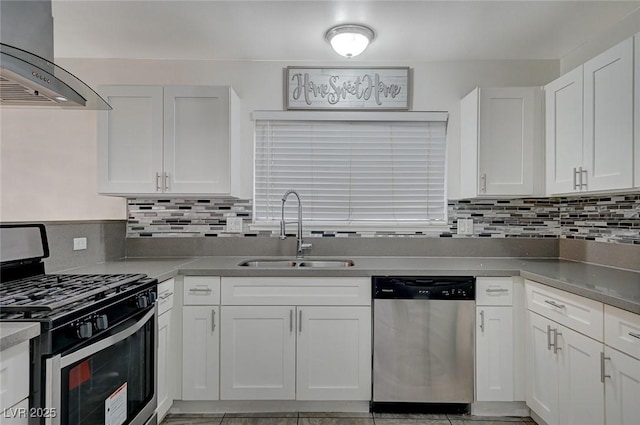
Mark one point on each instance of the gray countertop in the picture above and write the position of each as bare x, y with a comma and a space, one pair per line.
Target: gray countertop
620, 288
12, 333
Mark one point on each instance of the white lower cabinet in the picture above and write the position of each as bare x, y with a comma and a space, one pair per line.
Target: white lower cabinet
334, 353
564, 374
302, 351
201, 338
295, 353
200, 352
494, 353
621, 366
165, 334
622, 388
258, 353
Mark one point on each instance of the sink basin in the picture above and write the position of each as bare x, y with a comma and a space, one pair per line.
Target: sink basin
298, 263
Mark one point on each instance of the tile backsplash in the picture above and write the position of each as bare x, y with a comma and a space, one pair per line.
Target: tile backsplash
614, 218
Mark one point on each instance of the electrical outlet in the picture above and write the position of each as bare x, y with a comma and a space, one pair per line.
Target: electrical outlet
234, 225
465, 226
79, 244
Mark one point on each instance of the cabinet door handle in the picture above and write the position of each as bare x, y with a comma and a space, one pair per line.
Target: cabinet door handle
483, 179
583, 185
549, 345
166, 295
290, 321
300, 321
166, 182
635, 335
158, 188
492, 290
482, 320
602, 374
213, 321
555, 341
555, 304
206, 290
576, 186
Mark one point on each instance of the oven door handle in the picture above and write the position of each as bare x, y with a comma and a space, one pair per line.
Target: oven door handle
106, 342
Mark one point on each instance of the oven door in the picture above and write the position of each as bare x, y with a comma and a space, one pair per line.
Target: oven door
111, 381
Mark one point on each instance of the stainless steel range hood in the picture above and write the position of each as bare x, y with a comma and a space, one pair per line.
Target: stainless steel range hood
28, 76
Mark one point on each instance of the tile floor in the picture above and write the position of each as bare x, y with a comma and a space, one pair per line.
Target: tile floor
302, 418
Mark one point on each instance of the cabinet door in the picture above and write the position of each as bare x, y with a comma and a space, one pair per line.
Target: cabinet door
622, 388
334, 353
200, 352
165, 398
494, 354
258, 353
542, 369
580, 389
608, 118
130, 140
196, 139
506, 156
563, 98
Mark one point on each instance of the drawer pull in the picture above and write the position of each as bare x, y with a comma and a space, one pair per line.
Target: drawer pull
205, 290
492, 290
555, 304
635, 335
165, 296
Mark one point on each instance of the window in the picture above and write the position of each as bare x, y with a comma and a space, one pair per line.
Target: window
351, 169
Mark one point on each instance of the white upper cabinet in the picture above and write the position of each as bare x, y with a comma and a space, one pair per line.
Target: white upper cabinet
502, 144
130, 140
589, 125
168, 140
608, 119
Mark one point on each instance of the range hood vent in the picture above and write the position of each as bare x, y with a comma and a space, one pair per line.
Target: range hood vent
28, 76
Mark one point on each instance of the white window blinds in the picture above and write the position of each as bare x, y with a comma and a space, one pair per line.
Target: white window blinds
351, 172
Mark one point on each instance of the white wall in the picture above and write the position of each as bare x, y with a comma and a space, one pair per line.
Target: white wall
59, 146
600, 42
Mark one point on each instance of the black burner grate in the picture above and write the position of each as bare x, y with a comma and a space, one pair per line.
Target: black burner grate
51, 293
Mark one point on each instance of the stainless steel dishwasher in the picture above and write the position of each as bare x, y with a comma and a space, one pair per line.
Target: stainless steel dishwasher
423, 332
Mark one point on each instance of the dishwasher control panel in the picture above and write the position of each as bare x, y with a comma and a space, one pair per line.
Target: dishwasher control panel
424, 287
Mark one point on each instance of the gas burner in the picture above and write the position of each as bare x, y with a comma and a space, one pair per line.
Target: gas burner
45, 294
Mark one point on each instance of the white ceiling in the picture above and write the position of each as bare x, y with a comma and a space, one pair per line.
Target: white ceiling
294, 30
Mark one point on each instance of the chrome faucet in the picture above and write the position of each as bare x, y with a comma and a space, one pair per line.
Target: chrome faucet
301, 246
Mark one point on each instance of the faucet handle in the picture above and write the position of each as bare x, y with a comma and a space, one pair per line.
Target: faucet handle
305, 246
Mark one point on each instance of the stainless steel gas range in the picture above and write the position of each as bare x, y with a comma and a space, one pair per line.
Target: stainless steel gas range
94, 362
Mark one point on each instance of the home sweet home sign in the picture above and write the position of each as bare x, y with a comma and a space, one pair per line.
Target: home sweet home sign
347, 88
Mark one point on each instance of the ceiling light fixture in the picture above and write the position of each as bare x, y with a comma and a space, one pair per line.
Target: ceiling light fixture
349, 40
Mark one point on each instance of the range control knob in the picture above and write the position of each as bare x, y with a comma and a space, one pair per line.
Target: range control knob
152, 297
142, 301
100, 322
84, 330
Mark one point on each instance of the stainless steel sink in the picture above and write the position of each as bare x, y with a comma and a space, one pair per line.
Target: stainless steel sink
298, 263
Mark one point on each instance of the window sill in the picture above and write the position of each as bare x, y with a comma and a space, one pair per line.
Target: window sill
369, 227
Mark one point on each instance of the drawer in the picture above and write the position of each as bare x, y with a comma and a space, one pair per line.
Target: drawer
578, 313
201, 290
296, 291
14, 374
494, 291
622, 330
165, 295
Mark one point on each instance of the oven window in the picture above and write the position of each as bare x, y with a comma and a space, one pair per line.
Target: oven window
99, 386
